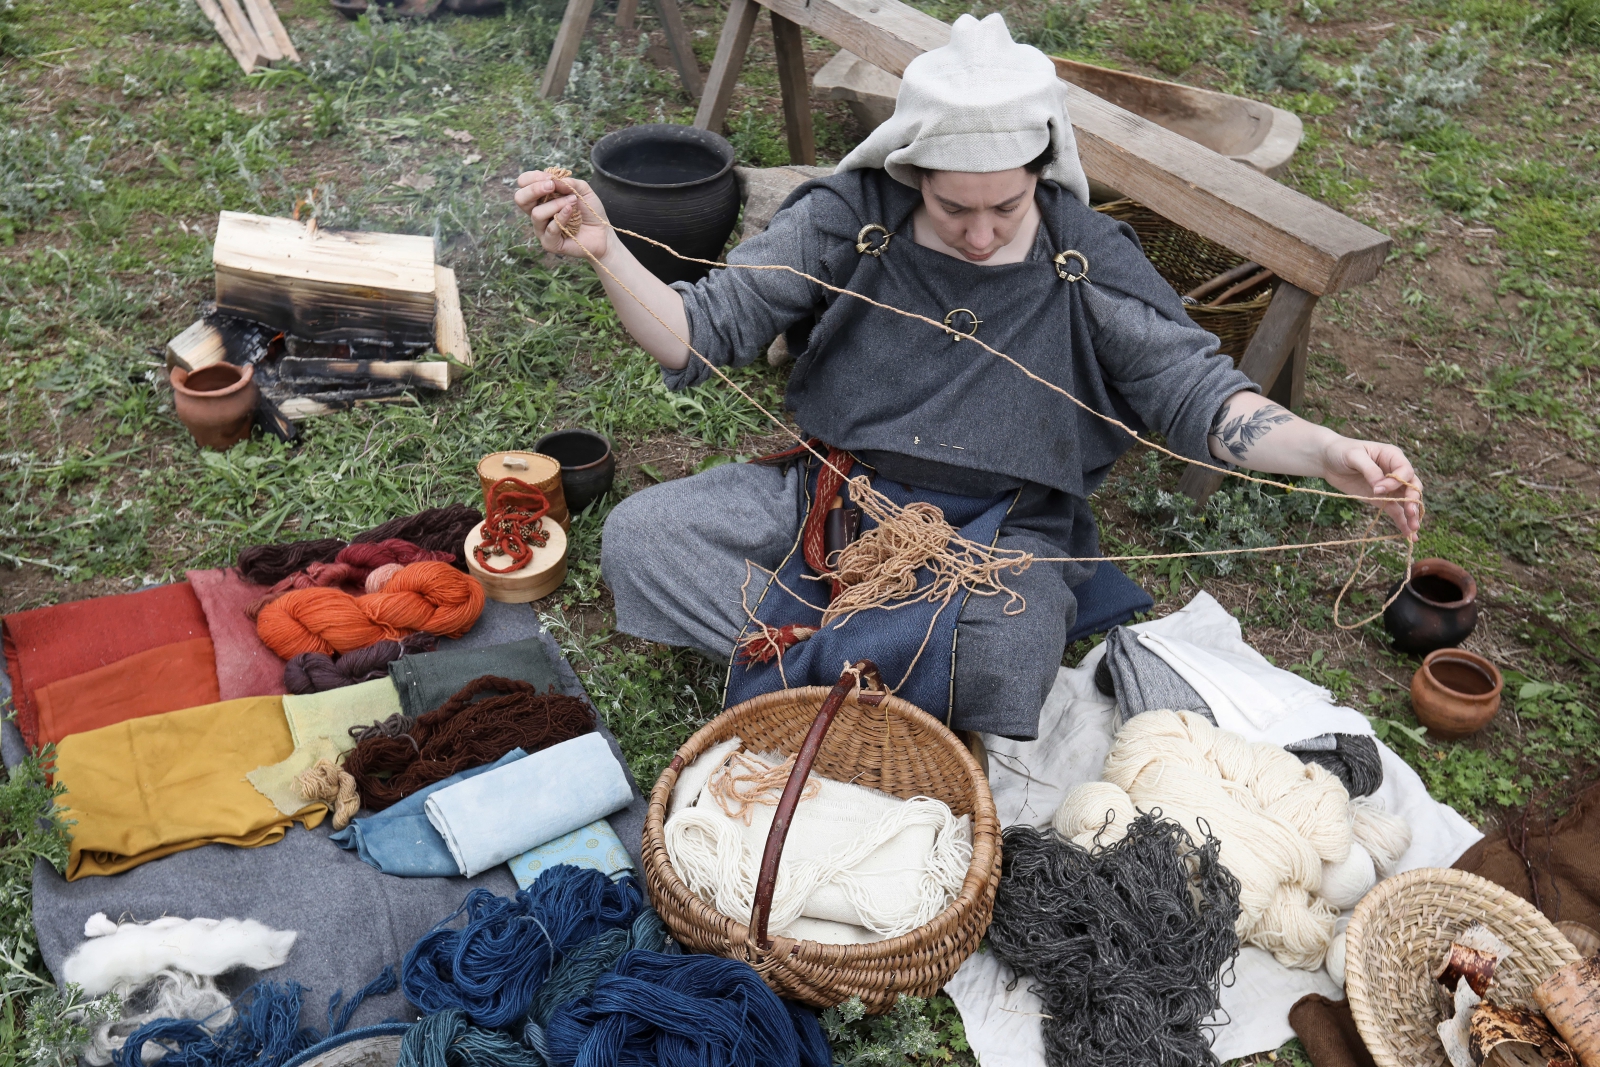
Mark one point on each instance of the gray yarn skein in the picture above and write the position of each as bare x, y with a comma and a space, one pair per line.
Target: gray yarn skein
1351, 758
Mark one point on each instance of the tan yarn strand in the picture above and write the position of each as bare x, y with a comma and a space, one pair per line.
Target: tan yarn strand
748, 782
328, 783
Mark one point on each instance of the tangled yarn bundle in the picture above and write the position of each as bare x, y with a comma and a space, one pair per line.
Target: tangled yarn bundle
271, 564
493, 967
462, 733
325, 783
169, 995
1282, 824
439, 529
352, 568
1127, 942
684, 1011
318, 672
431, 596
1351, 758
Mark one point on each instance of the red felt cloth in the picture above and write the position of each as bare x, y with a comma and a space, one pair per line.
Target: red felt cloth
51, 644
245, 666
169, 678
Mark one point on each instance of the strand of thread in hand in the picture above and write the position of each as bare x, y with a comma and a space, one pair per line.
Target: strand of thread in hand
982, 564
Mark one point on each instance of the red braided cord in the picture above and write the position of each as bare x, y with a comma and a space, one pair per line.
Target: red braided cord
513, 523
829, 481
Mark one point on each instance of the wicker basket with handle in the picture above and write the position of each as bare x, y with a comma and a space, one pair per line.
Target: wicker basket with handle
857, 733
1186, 260
1400, 932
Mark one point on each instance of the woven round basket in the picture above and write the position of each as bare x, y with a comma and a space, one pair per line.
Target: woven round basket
875, 740
1398, 936
1186, 260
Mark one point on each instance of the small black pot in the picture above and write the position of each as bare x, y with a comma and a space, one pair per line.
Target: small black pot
674, 184
1437, 609
588, 466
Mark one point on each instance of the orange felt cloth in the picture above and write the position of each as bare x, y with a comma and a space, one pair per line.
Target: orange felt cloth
168, 678
149, 787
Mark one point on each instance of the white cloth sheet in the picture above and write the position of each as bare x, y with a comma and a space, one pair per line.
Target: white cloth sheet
1251, 697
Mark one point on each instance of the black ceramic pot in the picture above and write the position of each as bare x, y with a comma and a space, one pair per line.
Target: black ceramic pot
674, 184
1437, 609
588, 466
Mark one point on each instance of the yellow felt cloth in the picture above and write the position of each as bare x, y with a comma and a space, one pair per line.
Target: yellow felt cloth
160, 784
320, 724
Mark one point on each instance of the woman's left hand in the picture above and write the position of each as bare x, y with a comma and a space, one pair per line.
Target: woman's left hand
1368, 468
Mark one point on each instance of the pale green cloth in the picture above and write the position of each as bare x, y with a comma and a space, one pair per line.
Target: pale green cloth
320, 725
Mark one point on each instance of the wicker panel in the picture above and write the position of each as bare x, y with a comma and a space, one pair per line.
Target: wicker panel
894, 747
1399, 934
1186, 260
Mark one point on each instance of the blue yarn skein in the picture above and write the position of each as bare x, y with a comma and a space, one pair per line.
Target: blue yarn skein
492, 968
449, 1039
656, 1010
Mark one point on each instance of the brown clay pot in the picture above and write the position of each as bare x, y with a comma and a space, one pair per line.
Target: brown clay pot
216, 403
1455, 693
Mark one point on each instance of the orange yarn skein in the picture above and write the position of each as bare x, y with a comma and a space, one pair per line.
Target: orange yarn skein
430, 596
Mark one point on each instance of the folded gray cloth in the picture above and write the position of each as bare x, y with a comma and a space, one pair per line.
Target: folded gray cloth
1142, 681
1351, 758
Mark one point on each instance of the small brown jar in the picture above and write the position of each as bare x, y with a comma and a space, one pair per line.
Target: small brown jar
216, 403
1455, 693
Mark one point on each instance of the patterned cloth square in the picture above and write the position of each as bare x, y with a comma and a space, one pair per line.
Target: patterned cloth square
595, 845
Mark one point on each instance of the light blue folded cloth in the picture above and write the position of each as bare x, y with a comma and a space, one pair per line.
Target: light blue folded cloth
400, 840
489, 819
595, 845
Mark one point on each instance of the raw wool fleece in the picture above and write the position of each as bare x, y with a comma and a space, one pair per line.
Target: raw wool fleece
980, 104
1284, 825
855, 857
131, 953
169, 995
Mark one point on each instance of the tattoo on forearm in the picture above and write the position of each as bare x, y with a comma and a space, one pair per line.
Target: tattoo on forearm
1241, 432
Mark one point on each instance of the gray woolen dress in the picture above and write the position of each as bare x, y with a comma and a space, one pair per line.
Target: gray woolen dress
928, 412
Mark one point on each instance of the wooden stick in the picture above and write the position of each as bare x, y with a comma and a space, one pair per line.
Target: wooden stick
627, 13
1570, 999
263, 31
196, 348
449, 325
731, 47
1241, 287
279, 34
565, 49
1227, 277
682, 49
243, 30
431, 374
230, 40
789, 43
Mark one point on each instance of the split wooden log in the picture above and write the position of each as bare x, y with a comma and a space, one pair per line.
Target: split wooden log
263, 30
430, 374
244, 31
326, 285
279, 34
1570, 999
296, 408
245, 55
449, 325
1515, 1037
198, 347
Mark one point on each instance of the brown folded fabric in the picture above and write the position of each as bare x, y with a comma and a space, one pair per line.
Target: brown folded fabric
49, 644
169, 678
1562, 871
1328, 1031
245, 666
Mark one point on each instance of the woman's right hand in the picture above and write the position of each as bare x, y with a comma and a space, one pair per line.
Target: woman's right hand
565, 213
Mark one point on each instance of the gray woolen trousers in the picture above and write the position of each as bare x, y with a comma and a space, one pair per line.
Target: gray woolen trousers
674, 556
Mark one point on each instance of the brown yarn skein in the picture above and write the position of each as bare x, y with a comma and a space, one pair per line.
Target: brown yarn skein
462, 733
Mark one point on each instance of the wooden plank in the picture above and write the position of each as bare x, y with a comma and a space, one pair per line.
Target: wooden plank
1290, 388
1282, 327
428, 373
1304, 242
295, 408
449, 325
565, 50
196, 348
627, 14
681, 46
325, 285
263, 31
788, 41
246, 58
731, 47
243, 30
279, 34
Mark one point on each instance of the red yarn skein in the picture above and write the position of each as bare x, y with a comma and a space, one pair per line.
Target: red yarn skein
430, 595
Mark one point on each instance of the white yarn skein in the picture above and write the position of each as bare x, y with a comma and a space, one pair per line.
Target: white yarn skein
1336, 951
1386, 837
709, 854
168, 995
1344, 884
1094, 810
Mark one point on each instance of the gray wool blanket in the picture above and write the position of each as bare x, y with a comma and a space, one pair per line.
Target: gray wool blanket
352, 919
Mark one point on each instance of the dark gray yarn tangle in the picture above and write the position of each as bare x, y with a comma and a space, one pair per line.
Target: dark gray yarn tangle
1127, 944
318, 672
396, 725
1351, 758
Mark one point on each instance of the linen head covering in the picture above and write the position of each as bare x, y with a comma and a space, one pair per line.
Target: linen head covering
980, 104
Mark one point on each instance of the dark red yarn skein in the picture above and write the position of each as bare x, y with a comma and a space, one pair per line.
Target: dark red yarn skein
439, 529
271, 564
462, 733
318, 672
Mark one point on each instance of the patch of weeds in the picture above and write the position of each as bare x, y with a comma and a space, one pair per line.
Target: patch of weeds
1549, 230
43, 171
1273, 60
1060, 28
1323, 173
758, 139
1406, 85
1174, 35
914, 1033
1568, 24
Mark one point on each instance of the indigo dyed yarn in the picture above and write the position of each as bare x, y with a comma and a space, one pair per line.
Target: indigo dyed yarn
271, 564
492, 968
448, 1039
318, 672
1126, 943
654, 1010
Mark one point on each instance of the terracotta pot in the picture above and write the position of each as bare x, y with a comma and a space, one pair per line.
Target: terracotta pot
1437, 609
1455, 692
216, 403
588, 466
